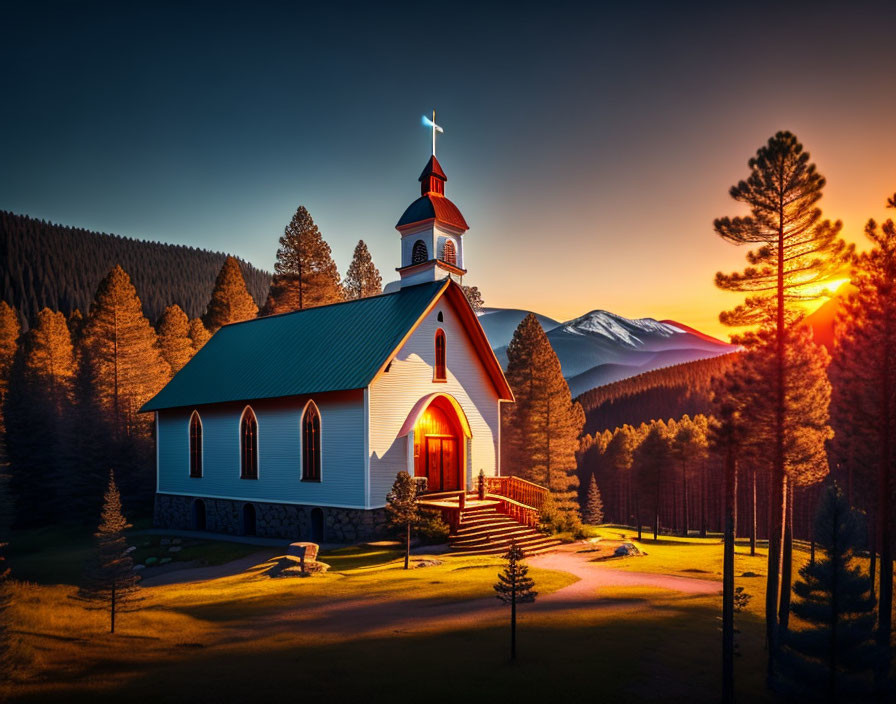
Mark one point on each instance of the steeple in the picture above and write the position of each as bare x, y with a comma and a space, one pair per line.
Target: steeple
431, 229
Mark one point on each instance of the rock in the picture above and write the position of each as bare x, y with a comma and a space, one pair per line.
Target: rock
427, 563
137, 568
175, 548
130, 549
302, 549
626, 550
749, 574
150, 561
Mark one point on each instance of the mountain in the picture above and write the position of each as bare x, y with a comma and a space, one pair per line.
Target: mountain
500, 323
59, 267
600, 347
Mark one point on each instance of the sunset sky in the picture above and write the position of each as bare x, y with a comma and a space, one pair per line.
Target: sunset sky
588, 150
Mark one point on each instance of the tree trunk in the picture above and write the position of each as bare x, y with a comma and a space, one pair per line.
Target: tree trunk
513, 623
786, 563
684, 505
703, 500
753, 510
728, 583
638, 517
407, 545
884, 518
872, 551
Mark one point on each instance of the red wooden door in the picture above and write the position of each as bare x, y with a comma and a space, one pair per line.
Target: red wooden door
441, 464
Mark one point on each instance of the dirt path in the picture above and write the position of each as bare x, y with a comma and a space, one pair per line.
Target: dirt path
355, 617
188, 574
593, 575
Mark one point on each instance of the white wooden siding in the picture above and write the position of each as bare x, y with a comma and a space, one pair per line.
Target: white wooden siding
410, 378
343, 460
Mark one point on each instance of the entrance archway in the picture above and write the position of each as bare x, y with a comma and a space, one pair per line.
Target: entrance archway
439, 434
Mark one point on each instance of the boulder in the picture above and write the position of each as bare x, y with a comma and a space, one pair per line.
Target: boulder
175, 548
626, 550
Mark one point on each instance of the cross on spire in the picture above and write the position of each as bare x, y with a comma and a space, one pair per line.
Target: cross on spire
435, 128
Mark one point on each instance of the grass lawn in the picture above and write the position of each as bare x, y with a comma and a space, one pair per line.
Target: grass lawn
249, 636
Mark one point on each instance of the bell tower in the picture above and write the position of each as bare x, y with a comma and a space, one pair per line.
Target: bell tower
432, 229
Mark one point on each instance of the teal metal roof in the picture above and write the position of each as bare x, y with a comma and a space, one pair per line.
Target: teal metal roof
330, 348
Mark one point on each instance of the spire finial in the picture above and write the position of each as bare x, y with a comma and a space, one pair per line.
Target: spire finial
435, 128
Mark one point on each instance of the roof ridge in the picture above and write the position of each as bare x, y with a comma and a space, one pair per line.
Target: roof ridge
326, 305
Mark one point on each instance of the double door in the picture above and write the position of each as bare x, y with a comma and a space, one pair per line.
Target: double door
442, 466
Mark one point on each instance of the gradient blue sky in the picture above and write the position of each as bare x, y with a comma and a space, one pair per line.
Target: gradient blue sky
589, 148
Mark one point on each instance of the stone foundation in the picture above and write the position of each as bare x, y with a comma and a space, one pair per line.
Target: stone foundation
291, 521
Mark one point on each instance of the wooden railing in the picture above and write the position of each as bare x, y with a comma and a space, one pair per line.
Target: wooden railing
518, 490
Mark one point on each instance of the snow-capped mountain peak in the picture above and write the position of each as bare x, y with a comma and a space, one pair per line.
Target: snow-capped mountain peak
619, 329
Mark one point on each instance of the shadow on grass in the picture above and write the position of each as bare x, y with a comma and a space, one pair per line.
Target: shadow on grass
584, 655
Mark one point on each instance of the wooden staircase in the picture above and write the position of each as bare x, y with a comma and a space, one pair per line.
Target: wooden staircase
503, 511
485, 530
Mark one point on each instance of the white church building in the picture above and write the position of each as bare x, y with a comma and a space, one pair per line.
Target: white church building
296, 425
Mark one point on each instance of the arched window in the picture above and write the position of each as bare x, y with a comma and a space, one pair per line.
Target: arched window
195, 445
248, 445
419, 255
311, 444
440, 374
449, 253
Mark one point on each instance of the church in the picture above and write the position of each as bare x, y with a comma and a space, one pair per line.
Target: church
296, 425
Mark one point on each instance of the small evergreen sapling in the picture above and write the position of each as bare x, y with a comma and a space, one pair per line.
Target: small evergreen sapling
401, 509
594, 505
515, 586
110, 581
829, 657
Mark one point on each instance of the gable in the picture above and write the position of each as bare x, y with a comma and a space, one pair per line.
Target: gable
459, 316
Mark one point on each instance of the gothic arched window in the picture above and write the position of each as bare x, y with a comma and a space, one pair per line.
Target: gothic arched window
419, 255
311, 444
195, 445
449, 253
248, 445
440, 371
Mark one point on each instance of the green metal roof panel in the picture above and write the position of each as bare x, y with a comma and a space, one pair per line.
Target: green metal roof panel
330, 348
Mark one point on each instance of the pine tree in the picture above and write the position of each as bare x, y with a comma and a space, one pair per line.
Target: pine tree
515, 586
362, 278
594, 505
76, 326
6, 518
305, 274
174, 338
618, 459
474, 296
836, 602
110, 581
121, 351
37, 409
863, 372
230, 301
796, 253
199, 334
542, 428
401, 509
688, 450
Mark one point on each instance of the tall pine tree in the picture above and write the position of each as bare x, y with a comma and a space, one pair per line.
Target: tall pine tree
230, 301
305, 274
122, 355
541, 430
594, 505
796, 252
174, 338
864, 376
652, 460
362, 278
9, 337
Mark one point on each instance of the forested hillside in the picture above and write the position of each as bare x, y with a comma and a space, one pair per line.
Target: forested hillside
58, 267
661, 394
